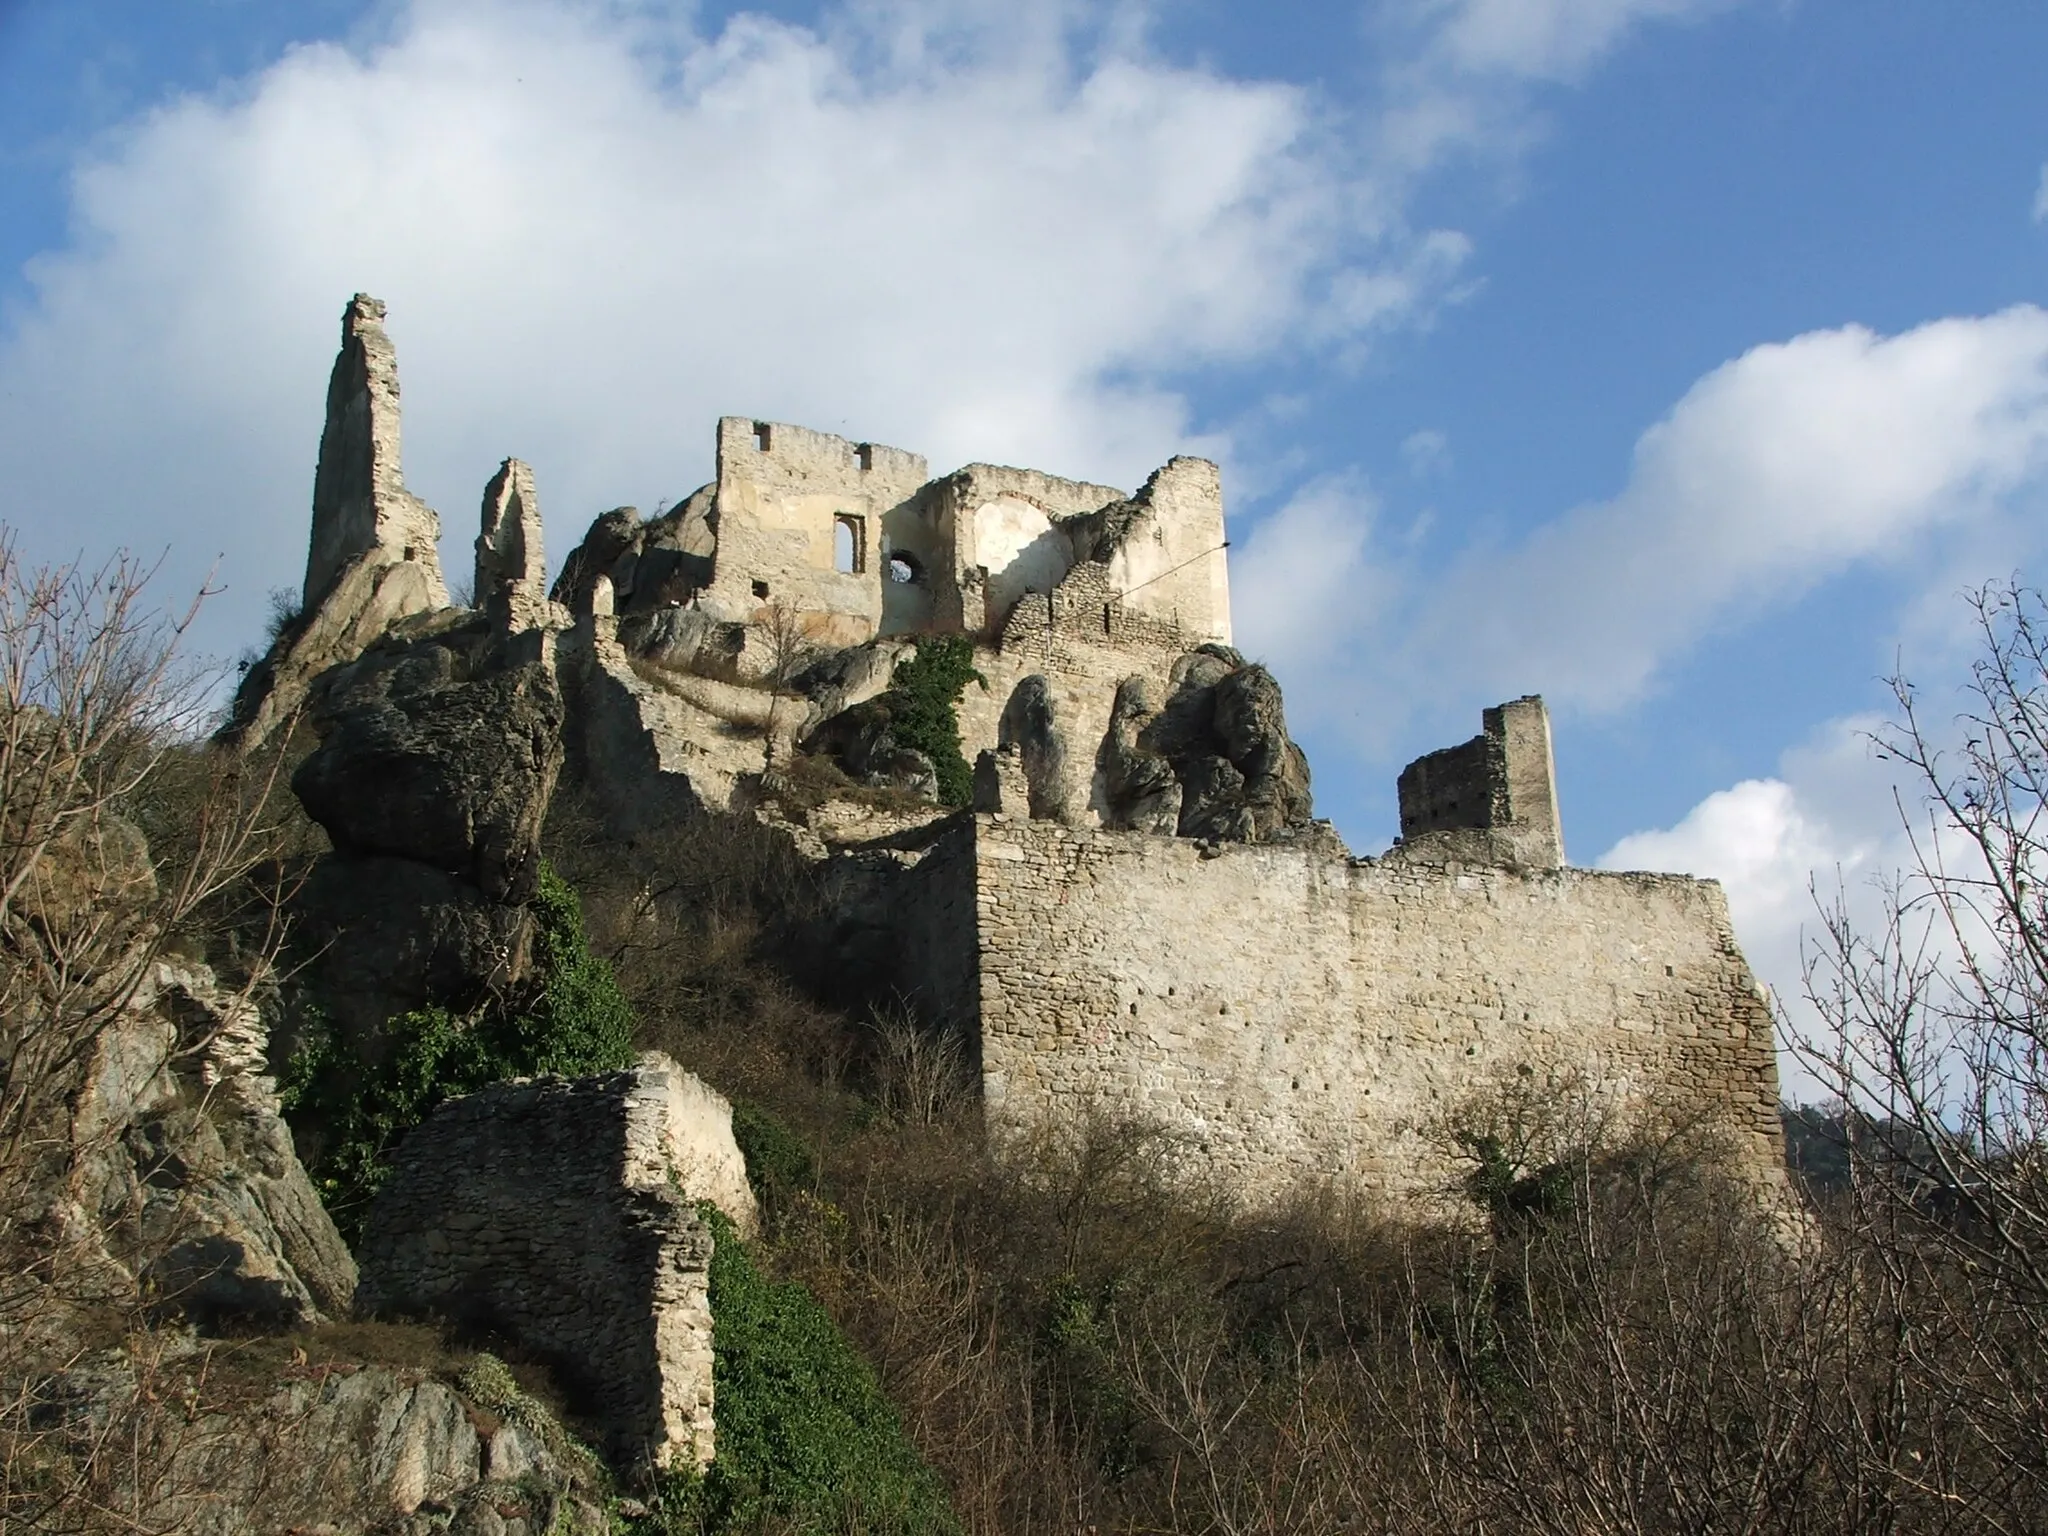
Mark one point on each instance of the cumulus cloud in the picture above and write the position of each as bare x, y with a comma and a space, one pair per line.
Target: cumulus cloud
960, 228
1791, 464
1313, 557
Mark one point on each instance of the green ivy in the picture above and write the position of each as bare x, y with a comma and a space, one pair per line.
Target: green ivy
806, 1439
923, 701
777, 1162
575, 1022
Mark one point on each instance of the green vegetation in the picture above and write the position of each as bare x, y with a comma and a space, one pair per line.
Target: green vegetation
576, 1021
923, 702
778, 1163
807, 1441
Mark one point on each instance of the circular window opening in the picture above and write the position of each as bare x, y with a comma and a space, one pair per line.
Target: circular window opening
902, 568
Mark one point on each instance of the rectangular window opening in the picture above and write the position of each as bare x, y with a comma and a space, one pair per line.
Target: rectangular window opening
849, 544
865, 453
764, 434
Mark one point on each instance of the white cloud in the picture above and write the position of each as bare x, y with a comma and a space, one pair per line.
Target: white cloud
1926, 451
1310, 559
1427, 452
961, 229
1473, 66
1547, 39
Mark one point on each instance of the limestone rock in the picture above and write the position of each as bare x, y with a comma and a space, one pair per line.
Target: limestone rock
861, 742
350, 1450
1224, 732
369, 600
1139, 790
392, 934
427, 755
653, 564
360, 503
684, 640
374, 556
511, 559
1029, 725
189, 1178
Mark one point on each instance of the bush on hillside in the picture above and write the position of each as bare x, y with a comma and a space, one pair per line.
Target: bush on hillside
923, 701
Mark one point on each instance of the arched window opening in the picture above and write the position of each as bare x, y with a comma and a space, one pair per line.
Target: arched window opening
902, 568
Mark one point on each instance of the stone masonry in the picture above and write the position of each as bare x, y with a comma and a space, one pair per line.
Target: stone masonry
562, 1214
1501, 782
1300, 1017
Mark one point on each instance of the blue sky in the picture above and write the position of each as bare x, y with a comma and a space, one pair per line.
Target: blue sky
1675, 360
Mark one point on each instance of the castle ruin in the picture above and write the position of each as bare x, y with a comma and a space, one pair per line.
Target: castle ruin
1138, 914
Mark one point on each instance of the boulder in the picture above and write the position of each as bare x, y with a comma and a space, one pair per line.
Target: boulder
1140, 791
861, 742
1029, 725
425, 756
186, 1173
392, 934
1223, 738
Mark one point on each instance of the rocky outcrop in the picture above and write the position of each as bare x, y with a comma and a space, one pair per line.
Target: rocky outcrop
511, 556
864, 745
1140, 792
1224, 735
323, 1445
434, 753
185, 1177
374, 558
436, 762
562, 1215
361, 508
1030, 727
652, 564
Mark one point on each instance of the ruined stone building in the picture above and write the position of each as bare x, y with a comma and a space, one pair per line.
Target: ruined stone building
1138, 914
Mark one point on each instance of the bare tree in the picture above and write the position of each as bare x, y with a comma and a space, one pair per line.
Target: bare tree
791, 635
97, 714
1935, 1043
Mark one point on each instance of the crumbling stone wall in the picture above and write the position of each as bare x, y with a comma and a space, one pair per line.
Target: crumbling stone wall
562, 1214
1300, 1016
1502, 781
782, 493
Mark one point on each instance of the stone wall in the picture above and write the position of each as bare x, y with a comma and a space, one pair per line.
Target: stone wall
1503, 780
1083, 641
782, 493
1300, 1017
561, 1214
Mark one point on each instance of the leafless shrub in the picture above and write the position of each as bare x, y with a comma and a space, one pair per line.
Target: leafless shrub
919, 1071
97, 716
1935, 1044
